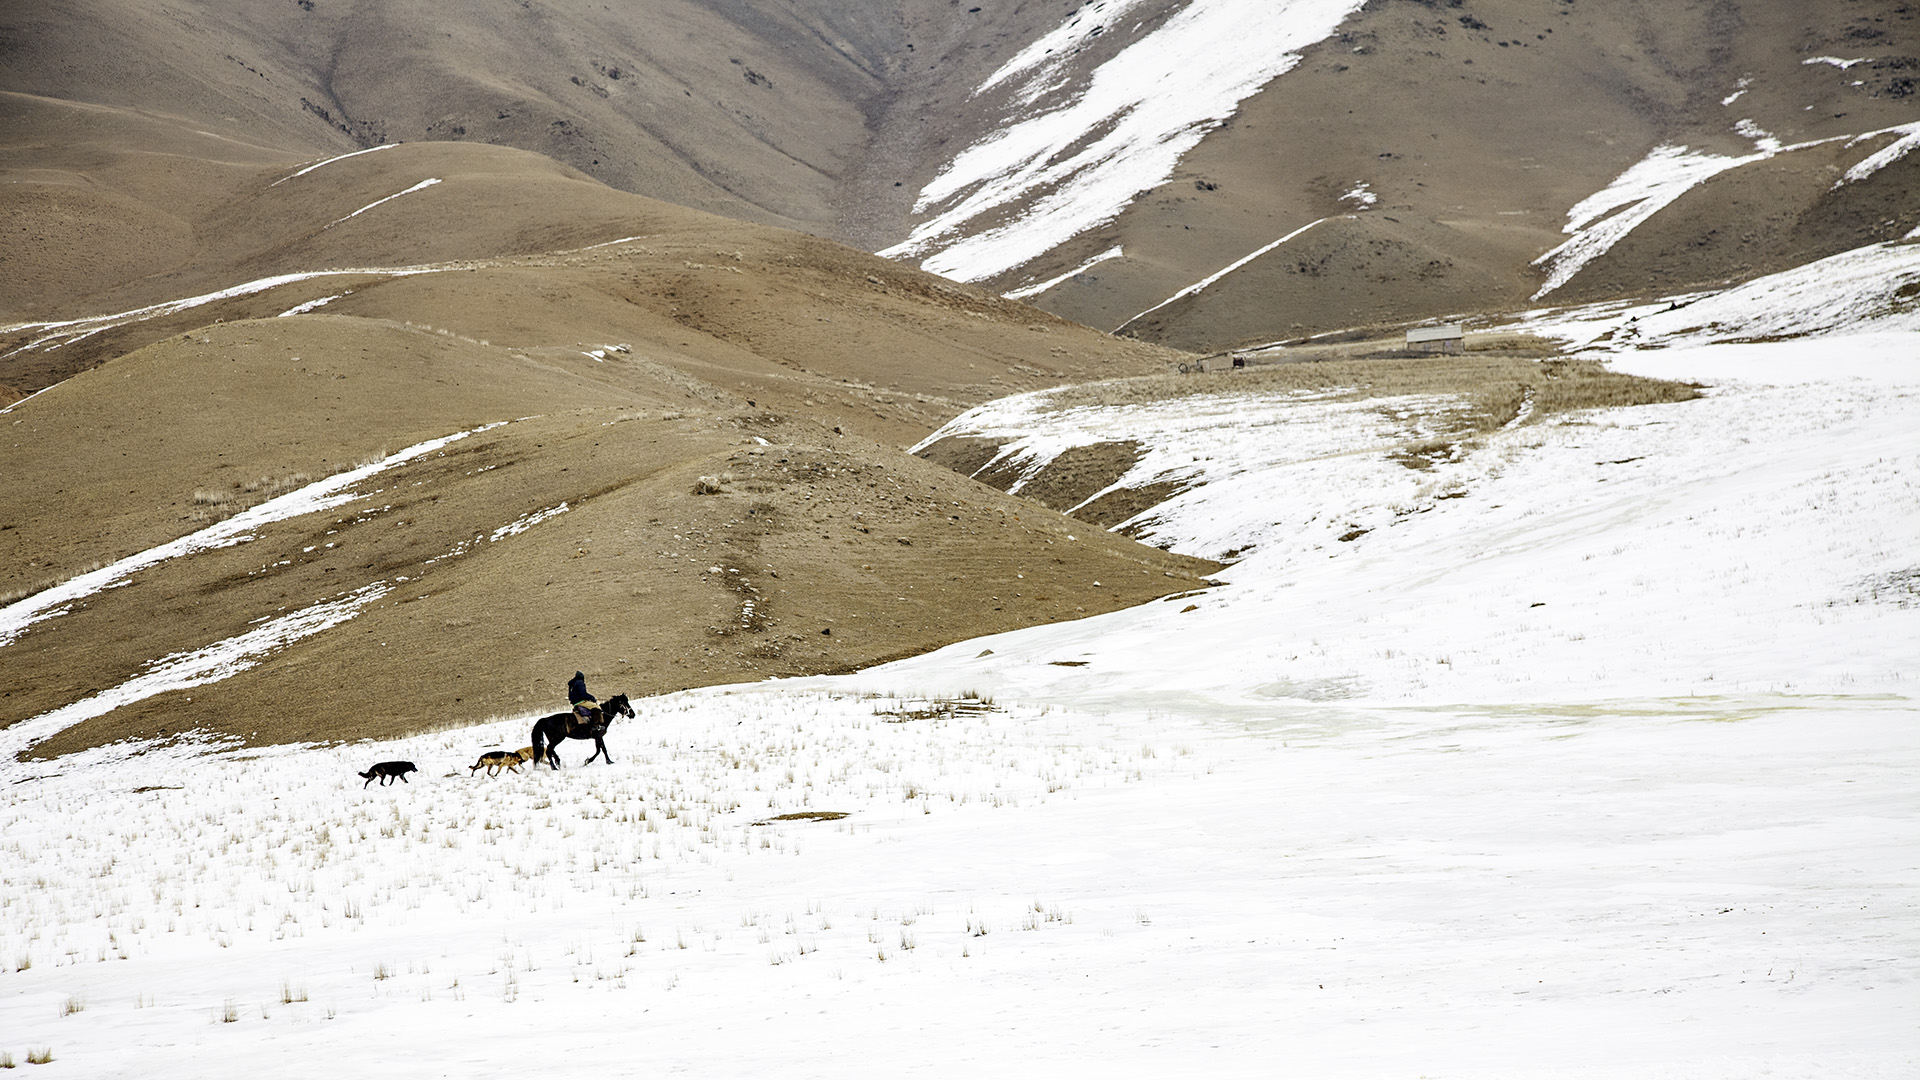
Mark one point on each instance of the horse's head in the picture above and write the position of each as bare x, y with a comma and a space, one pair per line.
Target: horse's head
617, 705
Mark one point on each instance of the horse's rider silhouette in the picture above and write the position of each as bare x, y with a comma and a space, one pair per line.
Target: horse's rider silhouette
585, 705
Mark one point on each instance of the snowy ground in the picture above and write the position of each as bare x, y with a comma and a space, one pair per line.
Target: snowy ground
1594, 755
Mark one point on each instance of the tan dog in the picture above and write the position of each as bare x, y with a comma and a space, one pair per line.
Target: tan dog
495, 760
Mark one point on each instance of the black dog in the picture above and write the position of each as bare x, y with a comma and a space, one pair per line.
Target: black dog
387, 770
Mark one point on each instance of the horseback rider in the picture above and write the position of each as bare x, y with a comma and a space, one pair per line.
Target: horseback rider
585, 705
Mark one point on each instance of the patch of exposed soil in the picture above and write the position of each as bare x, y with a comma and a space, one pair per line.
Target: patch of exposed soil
1079, 473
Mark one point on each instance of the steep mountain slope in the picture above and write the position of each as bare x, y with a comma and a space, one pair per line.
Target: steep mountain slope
1431, 152
756, 110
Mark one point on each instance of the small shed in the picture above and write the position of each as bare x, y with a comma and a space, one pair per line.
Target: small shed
1226, 361
1445, 338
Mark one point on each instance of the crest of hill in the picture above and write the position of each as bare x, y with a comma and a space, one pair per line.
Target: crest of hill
511, 248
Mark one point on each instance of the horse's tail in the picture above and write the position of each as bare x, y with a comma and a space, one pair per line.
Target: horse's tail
368, 775
540, 745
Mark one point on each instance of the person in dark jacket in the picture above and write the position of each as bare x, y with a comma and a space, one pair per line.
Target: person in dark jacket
585, 705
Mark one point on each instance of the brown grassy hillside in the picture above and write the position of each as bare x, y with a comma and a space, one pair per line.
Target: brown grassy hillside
691, 353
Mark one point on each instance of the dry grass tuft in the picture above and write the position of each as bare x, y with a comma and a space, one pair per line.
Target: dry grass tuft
16, 595
210, 505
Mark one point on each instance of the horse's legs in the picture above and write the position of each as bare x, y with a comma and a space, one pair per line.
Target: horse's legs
600, 750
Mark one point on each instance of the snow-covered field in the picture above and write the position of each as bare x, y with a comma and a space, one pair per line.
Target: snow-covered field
1674, 888
1591, 754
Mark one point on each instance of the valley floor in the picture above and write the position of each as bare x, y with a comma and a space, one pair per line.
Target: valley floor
1592, 753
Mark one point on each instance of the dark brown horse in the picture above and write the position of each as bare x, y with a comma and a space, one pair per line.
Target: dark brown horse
549, 730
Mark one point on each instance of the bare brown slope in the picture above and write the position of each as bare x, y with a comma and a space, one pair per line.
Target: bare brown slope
820, 551
95, 196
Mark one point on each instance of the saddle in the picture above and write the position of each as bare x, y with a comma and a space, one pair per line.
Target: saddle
587, 716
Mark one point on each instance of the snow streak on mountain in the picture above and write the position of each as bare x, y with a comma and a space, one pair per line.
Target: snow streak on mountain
1079, 149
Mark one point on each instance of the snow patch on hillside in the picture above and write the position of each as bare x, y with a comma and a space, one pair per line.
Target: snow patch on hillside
1869, 290
1039, 287
1236, 264
312, 305
325, 494
421, 186
1045, 178
331, 160
1606, 217
1051, 51
69, 331
1286, 453
1909, 137
198, 667
1601, 220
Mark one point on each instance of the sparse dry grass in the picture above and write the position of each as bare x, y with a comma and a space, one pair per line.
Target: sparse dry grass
1477, 394
1494, 385
218, 504
16, 595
